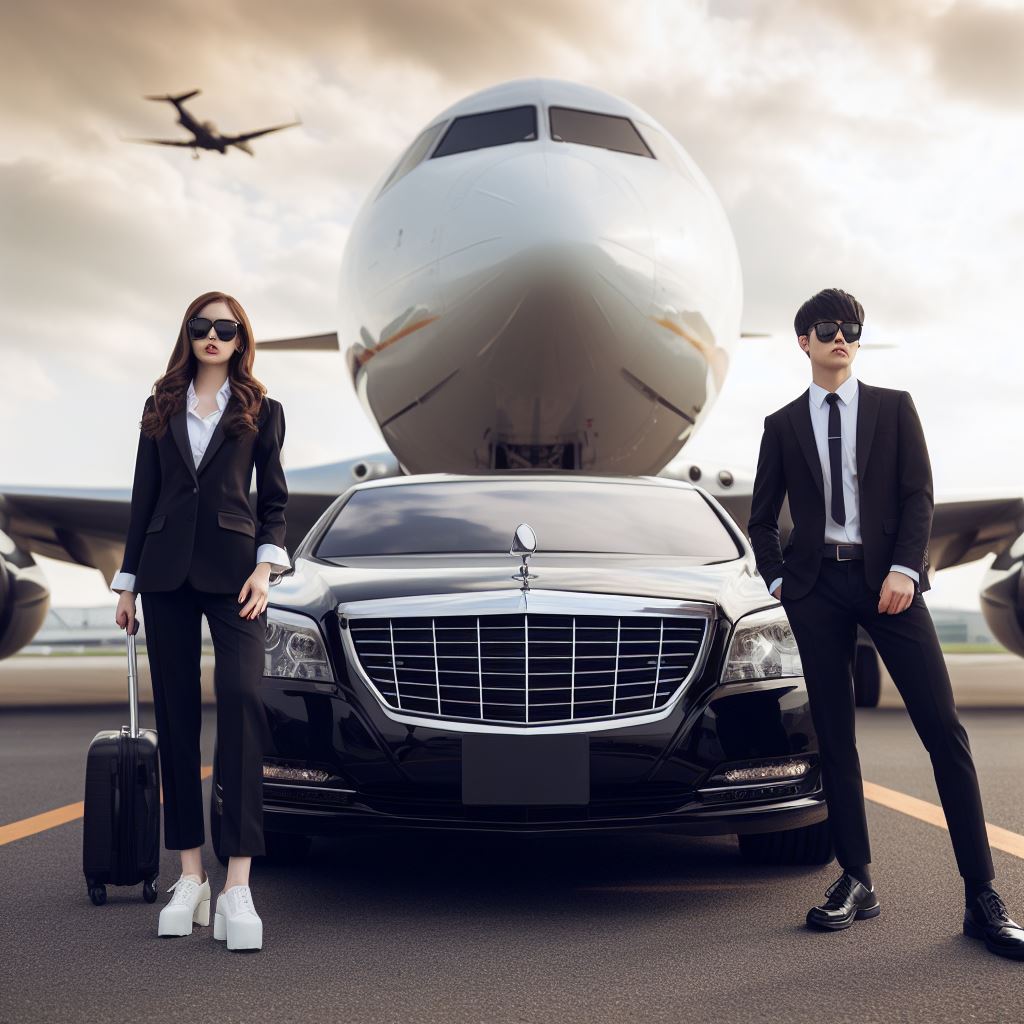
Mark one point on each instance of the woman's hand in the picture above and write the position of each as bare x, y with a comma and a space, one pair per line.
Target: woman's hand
125, 614
256, 588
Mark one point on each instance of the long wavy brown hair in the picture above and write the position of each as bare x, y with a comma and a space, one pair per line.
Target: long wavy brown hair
169, 390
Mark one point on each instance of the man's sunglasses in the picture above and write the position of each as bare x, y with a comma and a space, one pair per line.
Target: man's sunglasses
826, 330
199, 327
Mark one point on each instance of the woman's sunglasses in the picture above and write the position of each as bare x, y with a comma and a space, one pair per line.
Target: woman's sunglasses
826, 330
199, 327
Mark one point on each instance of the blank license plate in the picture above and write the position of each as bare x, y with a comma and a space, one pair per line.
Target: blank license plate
504, 769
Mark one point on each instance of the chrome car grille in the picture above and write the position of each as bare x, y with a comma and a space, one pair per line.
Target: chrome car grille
528, 668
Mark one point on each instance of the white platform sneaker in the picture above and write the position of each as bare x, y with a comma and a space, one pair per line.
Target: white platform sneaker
190, 903
236, 920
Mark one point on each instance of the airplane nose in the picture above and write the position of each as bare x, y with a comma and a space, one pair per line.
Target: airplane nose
543, 206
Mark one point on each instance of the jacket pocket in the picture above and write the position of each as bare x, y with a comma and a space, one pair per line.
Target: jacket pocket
238, 523
156, 523
891, 525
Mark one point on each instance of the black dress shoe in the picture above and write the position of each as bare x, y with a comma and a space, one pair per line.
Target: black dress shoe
986, 918
847, 900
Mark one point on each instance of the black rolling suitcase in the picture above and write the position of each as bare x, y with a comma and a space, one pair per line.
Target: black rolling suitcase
121, 827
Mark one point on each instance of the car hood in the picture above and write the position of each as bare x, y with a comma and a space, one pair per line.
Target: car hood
317, 586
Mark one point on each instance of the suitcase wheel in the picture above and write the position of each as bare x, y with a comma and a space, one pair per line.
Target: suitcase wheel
149, 890
98, 893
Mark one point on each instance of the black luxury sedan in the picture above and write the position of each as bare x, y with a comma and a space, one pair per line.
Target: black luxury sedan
534, 653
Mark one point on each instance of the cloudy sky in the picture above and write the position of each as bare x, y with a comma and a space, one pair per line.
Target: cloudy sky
874, 145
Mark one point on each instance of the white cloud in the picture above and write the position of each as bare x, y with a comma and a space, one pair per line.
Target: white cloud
869, 145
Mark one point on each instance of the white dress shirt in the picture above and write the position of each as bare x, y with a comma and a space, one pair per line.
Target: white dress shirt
837, 533
200, 430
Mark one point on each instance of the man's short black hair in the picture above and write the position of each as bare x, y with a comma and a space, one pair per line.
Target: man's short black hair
830, 304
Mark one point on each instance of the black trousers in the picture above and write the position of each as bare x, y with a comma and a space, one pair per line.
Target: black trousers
173, 639
824, 623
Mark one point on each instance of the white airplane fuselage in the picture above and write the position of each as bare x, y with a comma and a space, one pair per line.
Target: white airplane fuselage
540, 303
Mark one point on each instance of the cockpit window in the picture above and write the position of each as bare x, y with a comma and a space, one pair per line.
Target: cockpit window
494, 128
414, 154
590, 129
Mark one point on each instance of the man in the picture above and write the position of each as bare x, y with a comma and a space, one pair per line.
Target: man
853, 460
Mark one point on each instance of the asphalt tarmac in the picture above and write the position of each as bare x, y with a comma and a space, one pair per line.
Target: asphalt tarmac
435, 928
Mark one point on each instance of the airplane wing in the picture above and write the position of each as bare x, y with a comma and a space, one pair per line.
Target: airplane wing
233, 139
180, 98
88, 525
164, 142
965, 526
308, 343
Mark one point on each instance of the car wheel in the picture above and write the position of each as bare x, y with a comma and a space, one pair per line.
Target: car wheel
809, 845
286, 848
867, 677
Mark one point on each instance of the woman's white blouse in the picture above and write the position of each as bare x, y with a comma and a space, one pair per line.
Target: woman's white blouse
200, 430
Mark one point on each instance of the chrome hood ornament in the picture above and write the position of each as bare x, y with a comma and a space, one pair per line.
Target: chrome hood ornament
524, 543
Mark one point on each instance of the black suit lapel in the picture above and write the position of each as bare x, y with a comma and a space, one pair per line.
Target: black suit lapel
800, 417
216, 438
179, 430
868, 401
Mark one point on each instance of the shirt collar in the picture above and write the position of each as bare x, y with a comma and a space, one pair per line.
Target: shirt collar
223, 394
846, 391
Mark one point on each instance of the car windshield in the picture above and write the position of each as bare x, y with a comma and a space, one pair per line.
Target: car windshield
480, 516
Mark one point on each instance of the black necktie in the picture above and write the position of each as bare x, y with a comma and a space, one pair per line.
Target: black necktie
835, 458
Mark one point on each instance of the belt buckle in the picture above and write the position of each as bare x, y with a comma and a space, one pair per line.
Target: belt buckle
838, 559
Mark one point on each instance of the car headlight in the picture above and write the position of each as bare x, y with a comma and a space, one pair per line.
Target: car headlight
294, 647
762, 647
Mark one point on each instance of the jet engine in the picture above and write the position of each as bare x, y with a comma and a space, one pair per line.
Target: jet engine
1002, 597
24, 597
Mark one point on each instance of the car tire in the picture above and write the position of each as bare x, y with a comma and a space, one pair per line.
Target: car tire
809, 845
286, 847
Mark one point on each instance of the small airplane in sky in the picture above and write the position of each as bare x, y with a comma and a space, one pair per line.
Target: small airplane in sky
204, 133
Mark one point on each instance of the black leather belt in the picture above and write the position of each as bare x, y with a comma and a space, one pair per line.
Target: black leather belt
843, 552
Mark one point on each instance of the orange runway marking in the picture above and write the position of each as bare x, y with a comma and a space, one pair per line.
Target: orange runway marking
60, 816
998, 838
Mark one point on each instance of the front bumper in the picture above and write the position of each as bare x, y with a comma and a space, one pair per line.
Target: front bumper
311, 818
383, 773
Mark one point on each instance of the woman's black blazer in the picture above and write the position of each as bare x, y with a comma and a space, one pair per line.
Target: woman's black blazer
196, 523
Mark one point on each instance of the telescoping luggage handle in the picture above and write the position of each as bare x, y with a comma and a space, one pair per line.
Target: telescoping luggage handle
133, 684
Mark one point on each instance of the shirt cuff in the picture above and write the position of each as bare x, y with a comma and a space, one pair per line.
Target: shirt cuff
916, 577
277, 557
774, 584
123, 581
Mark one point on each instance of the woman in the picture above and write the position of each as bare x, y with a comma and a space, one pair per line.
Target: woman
193, 549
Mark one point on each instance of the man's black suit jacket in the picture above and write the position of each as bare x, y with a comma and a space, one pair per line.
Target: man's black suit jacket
894, 480
196, 523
